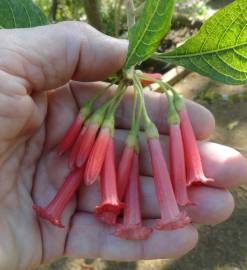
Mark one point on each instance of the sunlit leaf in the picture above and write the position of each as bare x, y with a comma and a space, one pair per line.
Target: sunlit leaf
146, 34
219, 50
20, 14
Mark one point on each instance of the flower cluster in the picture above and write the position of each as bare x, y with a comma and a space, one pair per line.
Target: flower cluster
90, 143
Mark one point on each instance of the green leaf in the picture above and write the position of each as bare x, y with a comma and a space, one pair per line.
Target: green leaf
219, 50
20, 14
146, 34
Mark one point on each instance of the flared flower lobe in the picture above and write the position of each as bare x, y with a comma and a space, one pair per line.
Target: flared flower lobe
194, 170
110, 205
171, 217
132, 228
177, 165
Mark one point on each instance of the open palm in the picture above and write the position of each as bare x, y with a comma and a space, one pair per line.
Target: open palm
32, 122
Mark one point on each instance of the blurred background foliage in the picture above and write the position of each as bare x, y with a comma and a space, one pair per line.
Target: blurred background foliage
109, 15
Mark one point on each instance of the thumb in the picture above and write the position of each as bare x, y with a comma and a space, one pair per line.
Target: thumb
49, 56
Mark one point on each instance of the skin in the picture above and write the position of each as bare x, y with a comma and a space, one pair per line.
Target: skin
33, 120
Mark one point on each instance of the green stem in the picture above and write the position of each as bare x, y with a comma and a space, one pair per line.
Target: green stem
109, 120
87, 107
138, 86
175, 100
136, 125
102, 110
139, 9
101, 93
178, 98
150, 128
118, 97
172, 116
133, 121
130, 7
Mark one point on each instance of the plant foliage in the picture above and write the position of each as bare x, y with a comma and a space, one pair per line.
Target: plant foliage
20, 14
146, 34
219, 50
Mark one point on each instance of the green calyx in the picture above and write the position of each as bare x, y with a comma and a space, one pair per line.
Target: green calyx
151, 130
175, 102
132, 141
86, 109
98, 116
179, 102
109, 123
178, 98
172, 116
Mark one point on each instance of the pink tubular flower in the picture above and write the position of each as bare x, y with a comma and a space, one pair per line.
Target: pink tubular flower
132, 228
86, 145
97, 156
110, 206
71, 135
177, 165
194, 171
54, 210
171, 217
75, 149
156, 76
124, 169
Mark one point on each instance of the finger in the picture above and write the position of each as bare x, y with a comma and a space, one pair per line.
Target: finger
213, 205
49, 56
156, 105
89, 238
222, 163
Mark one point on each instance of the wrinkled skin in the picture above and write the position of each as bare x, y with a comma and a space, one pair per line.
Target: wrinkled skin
32, 122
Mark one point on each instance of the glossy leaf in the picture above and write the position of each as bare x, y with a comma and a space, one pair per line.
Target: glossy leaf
146, 34
20, 14
219, 50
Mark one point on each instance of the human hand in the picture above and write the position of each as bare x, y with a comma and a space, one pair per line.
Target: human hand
33, 120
